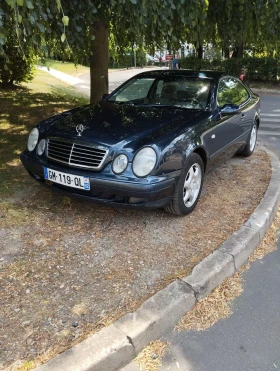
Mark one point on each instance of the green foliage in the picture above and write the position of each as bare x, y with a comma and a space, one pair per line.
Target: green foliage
15, 68
233, 66
124, 57
14, 65
70, 22
197, 64
66, 29
257, 69
223, 22
235, 23
262, 69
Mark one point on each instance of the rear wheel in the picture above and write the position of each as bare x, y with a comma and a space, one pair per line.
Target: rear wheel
188, 188
251, 142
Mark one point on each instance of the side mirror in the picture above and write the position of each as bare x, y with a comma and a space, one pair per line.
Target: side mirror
229, 109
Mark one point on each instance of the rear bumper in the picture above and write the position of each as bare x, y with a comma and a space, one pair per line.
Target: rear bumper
154, 192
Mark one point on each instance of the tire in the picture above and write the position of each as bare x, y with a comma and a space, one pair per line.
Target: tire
251, 142
188, 187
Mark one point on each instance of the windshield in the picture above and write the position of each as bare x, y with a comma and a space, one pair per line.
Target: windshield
178, 91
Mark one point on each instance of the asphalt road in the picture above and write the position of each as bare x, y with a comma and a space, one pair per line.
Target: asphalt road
116, 78
269, 133
249, 340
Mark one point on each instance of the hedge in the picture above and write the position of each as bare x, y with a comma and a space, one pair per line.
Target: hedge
256, 69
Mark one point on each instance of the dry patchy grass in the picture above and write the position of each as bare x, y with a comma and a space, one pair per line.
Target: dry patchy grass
150, 358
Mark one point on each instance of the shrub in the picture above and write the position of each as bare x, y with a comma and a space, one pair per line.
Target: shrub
257, 69
14, 65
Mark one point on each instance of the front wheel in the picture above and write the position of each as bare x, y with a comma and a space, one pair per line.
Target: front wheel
188, 188
251, 142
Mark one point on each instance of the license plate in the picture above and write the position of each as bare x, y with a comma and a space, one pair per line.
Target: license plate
70, 180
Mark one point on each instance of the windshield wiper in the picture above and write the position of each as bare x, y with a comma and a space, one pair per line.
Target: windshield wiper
170, 106
125, 103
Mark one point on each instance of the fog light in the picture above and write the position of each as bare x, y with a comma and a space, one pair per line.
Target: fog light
41, 147
120, 164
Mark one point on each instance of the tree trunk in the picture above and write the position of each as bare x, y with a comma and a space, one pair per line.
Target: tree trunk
200, 52
7, 84
238, 51
99, 62
226, 52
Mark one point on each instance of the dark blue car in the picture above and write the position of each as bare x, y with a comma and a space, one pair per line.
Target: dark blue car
149, 143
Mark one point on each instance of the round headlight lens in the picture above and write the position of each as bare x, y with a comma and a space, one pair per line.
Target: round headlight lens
144, 161
120, 164
41, 147
33, 139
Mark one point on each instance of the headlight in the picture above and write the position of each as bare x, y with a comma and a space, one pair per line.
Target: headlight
33, 139
41, 147
144, 161
120, 164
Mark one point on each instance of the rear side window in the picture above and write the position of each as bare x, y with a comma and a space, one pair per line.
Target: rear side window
231, 91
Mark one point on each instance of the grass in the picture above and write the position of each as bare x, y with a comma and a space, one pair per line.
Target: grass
21, 108
69, 67
66, 67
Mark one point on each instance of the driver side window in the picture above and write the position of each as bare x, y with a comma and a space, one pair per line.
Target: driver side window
137, 90
231, 91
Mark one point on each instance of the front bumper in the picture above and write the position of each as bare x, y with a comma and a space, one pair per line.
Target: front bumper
151, 192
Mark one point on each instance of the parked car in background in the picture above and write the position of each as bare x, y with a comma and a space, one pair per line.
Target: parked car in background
161, 57
149, 143
149, 58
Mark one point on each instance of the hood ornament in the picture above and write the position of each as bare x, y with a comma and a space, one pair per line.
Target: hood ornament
79, 129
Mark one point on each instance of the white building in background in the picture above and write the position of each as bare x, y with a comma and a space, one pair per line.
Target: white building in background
186, 50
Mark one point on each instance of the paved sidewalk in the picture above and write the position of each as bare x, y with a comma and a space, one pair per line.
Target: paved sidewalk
115, 346
61, 75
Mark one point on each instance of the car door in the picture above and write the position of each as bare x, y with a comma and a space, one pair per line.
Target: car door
229, 123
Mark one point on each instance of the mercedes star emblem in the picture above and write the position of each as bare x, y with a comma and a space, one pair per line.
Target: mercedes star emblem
79, 129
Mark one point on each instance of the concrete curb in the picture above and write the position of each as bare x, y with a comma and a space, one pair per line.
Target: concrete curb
115, 346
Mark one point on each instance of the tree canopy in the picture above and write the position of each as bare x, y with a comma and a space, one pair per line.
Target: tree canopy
82, 28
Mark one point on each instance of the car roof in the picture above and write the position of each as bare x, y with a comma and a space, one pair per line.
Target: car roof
216, 75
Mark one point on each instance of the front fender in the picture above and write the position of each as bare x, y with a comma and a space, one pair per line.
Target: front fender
173, 157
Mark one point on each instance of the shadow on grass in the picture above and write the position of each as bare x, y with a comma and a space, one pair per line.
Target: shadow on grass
20, 110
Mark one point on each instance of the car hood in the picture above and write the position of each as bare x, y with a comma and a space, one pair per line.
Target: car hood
110, 124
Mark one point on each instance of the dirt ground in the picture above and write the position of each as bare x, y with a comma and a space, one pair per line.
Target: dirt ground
69, 268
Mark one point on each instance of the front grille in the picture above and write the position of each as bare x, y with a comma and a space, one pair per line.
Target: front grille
89, 156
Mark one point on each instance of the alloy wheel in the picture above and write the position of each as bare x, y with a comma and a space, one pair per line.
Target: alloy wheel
253, 138
192, 185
